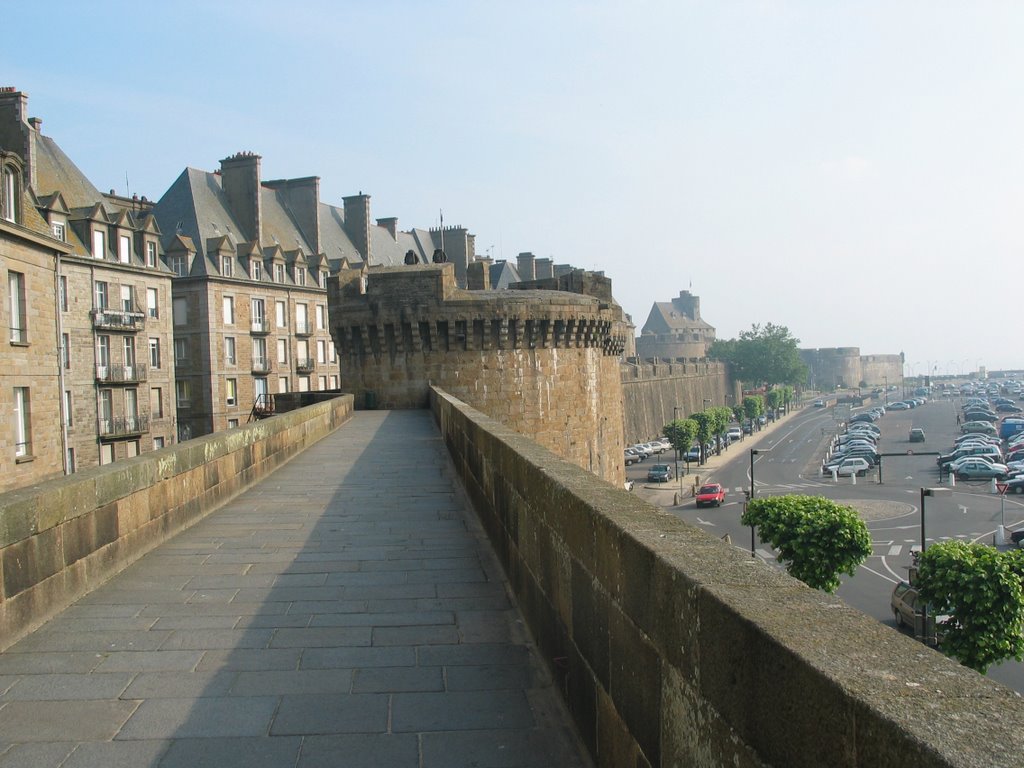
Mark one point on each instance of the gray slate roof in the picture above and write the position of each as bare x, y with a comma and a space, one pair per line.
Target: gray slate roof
666, 318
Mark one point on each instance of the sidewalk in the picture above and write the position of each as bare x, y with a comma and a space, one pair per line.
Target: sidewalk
346, 611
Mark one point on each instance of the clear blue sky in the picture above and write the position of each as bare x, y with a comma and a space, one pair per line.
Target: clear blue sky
850, 170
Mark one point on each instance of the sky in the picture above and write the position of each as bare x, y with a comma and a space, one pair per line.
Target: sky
852, 171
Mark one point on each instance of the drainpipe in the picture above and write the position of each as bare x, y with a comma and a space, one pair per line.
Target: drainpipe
61, 353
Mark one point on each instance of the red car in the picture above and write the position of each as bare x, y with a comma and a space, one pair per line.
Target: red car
711, 495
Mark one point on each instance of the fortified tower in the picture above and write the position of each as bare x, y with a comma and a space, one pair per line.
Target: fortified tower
543, 362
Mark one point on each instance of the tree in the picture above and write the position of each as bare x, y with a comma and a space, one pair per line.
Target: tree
816, 538
705, 430
980, 589
774, 398
763, 354
681, 433
753, 406
721, 417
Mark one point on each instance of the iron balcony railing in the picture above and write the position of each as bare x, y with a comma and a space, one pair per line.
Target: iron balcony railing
115, 320
261, 365
303, 328
121, 374
305, 364
124, 426
260, 326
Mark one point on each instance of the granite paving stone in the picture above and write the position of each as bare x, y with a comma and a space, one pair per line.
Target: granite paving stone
345, 611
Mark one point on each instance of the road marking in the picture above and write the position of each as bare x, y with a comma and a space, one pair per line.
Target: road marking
895, 550
705, 522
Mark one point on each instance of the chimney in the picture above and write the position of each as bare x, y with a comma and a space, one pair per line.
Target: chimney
391, 225
302, 197
357, 223
240, 178
16, 132
478, 276
544, 268
526, 266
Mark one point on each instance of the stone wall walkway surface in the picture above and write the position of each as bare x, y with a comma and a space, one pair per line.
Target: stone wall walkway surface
348, 611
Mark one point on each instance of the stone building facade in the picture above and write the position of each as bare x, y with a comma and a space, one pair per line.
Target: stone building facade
675, 330
544, 362
832, 367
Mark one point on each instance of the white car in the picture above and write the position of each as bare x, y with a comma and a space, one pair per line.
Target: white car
851, 466
734, 434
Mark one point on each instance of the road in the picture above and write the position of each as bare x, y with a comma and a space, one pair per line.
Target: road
788, 461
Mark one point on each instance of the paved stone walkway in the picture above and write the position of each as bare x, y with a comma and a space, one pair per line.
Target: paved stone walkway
348, 612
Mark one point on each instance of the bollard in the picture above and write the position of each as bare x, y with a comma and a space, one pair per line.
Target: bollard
992, 487
1000, 536
952, 480
853, 478
675, 499
835, 475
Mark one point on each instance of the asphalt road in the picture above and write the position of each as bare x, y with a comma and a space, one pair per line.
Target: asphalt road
789, 461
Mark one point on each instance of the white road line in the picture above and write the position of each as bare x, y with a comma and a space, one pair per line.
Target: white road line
895, 550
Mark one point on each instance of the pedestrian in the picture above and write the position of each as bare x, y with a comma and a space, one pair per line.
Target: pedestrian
958, 419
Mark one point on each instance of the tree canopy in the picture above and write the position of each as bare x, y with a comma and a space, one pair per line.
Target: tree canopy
681, 433
816, 538
980, 589
764, 354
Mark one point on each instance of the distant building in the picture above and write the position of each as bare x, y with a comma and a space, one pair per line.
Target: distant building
675, 329
845, 367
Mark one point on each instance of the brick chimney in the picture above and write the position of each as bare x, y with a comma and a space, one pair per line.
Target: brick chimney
478, 275
525, 264
240, 176
302, 197
17, 131
544, 268
391, 225
357, 223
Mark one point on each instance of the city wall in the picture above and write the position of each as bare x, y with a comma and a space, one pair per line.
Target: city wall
652, 393
672, 648
61, 538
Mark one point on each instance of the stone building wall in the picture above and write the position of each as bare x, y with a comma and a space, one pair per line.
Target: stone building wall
879, 370
545, 363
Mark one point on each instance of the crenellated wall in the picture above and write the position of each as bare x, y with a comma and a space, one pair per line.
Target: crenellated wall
543, 362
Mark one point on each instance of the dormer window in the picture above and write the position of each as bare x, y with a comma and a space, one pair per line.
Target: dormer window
9, 194
257, 270
99, 244
225, 266
150, 253
300, 276
279, 273
323, 279
178, 265
59, 230
124, 248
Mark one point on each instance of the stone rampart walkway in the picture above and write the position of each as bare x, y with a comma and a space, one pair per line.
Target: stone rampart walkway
347, 611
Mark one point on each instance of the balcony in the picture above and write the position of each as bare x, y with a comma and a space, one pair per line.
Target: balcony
305, 364
260, 326
120, 374
123, 426
261, 365
303, 328
113, 320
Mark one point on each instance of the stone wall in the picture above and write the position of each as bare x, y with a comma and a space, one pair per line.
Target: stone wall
543, 362
652, 393
672, 648
61, 538
879, 370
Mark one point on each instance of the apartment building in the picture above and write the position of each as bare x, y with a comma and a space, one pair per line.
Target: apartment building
109, 294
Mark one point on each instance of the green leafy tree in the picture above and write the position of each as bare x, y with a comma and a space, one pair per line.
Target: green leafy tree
774, 398
816, 538
721, 418
980, 589
767, 353
753, 406
705, 431
738, 412
681, 433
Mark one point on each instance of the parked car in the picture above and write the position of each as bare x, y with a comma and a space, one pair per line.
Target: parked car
907, 609
631, 458
979, 427
848, 466
898, 406
659, 473
693, 454
975, 467
819, 403
734, 433
710, 495
916, 435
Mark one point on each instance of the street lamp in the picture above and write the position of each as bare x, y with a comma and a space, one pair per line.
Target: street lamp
675, 417
924, 493
753, 452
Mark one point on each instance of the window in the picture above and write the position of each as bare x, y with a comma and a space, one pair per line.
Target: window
281, 314
156, 403
131, 408
158, 443
334, 382
300, 275
259, 353
180, 351
22, 422
181, 311
282, 351
301, 318
259, 390
229, 310
303, 352
321, 351
323, 278
71, 461
321, 317
231, 391
103, 353
65, 351
129, 351
152, 302
330, 352
322, 383
178, 265
99, 244
181, 391
227, 266
229, 351
9, 203
107, 453
150, 253
303, 383
132, 448
259, 316
102, 295
69, 412
279, 273
282, 384
257, 269
154, 353
106, 411
232, 423
19, 307
124, 249
59, 231
63, 293
127, 300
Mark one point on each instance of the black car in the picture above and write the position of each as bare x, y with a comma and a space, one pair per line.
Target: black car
980, 416
659, 473
1009, 408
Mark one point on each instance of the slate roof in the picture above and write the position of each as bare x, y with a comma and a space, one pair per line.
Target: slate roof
503, 274
55, 172
665, 317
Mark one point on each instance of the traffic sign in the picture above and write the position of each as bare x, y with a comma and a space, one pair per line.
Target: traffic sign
1001, 487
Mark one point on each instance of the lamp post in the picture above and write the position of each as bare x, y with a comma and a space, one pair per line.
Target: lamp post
925, 492
753, 452
675, 417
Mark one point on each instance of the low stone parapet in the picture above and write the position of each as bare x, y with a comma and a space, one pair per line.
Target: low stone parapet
673, 648
61, 538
